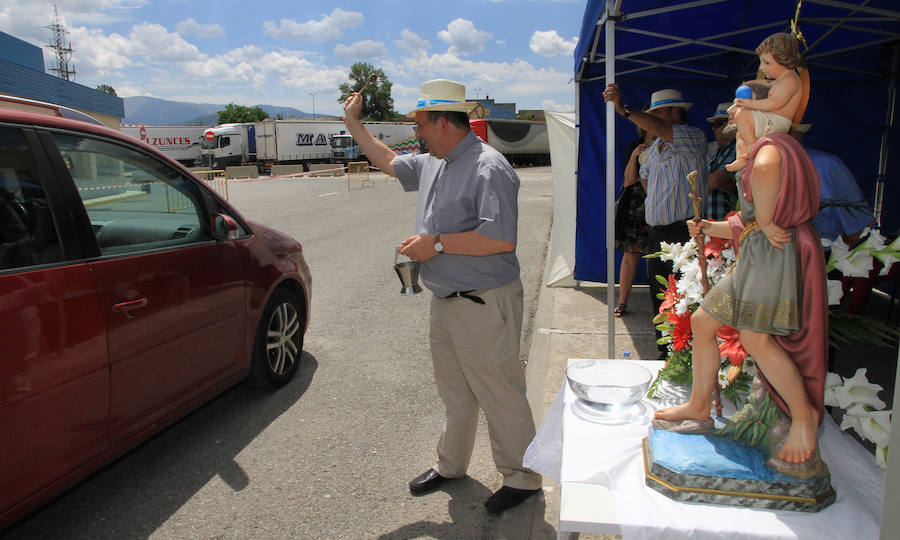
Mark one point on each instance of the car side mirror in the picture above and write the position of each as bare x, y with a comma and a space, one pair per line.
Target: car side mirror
224, 228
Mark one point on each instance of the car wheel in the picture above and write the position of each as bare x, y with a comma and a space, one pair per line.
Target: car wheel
279, 340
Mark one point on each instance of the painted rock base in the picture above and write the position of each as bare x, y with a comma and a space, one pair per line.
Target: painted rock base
714, 470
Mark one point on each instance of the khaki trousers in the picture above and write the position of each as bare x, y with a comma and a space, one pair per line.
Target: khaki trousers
475, 350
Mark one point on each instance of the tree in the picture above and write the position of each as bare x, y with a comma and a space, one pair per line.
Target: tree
377, 101
107, 89
241, 113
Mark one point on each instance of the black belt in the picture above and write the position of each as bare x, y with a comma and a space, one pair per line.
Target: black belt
465, 294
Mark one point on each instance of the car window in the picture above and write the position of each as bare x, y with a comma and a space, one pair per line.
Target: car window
134, 201
28, 232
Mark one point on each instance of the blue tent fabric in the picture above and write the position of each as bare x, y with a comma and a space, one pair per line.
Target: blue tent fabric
849, 70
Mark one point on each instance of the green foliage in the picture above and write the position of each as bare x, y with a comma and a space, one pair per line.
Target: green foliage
378, 105
107, 89
734, 392
752, 424
241, 113
844, 328
677, 370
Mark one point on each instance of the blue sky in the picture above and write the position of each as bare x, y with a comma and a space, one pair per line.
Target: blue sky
283, 52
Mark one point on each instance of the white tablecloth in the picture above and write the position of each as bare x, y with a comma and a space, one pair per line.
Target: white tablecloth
570, 448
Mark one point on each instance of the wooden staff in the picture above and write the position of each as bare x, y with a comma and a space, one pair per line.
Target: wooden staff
700, 240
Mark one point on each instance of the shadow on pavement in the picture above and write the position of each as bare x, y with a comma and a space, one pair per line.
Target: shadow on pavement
134, 495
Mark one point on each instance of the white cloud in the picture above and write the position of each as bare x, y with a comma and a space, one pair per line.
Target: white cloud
550, 43
412, 42
515, 78
153, 43
327, 28
550, 105
463, 37
361, 50
192, 28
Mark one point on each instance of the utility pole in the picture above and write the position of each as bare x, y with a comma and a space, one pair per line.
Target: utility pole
62, 47
313, 94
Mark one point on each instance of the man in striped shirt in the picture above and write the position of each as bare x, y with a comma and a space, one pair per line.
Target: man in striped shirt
678, 150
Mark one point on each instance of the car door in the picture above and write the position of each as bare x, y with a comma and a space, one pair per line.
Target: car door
54, 370
172, 296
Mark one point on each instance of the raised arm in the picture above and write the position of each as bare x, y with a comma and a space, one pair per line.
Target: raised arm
649, 123
780, 93
376, 151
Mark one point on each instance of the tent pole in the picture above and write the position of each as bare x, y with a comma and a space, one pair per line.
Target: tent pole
610, 67
886, 138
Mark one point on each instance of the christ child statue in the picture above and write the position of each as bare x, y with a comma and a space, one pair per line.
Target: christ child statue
779, 56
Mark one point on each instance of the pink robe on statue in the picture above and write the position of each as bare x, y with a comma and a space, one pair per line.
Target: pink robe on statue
797, 206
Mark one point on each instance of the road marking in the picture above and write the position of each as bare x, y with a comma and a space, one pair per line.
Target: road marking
327, 194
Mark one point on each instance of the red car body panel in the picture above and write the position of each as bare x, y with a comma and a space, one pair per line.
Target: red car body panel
98, 354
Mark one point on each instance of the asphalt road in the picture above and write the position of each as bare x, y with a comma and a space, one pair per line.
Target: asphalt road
330, 454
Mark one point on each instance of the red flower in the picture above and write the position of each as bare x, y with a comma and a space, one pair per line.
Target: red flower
714, 246
671, 296
681, 334
731, 345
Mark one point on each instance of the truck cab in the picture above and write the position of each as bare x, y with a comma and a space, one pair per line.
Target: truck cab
344, 148
232, 144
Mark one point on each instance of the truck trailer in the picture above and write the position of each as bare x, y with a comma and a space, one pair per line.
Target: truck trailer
303, 142
181, 143
522, 142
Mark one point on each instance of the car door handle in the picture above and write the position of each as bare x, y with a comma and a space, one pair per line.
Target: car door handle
125, 307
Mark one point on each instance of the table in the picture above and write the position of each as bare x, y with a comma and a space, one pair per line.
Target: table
602, 489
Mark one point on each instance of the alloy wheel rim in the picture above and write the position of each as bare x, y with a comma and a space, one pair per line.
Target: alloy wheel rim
282, 338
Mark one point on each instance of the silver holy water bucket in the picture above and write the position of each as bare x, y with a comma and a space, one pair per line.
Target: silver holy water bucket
408, 272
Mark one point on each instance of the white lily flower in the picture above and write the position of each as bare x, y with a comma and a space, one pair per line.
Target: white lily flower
881, 456
874, 240
839, 251
851, 421
855, 264
858, 390
874, 426
832, 381
887, 258
835, 292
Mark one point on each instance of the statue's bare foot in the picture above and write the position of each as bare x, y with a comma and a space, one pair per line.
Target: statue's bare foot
801, 440
686, 411
737, 164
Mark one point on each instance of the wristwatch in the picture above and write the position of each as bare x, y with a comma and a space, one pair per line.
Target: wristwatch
438, 246
627, 112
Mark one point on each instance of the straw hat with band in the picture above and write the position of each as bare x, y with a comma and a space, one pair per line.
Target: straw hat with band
667, 98
443, 95
721, 112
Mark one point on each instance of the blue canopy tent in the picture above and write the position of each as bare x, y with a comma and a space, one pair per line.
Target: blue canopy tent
706, 48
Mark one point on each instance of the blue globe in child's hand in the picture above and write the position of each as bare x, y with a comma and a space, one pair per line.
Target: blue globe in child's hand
743, 91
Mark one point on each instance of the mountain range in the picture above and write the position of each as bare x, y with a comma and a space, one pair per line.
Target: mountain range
161, 112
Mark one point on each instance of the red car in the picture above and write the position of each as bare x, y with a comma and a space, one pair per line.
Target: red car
130, 293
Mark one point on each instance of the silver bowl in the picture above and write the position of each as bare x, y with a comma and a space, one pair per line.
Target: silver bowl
609, 384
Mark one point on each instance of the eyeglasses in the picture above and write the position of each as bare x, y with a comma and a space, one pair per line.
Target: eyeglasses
720, 123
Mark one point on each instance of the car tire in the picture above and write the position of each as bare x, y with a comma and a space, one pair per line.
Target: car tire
278, 345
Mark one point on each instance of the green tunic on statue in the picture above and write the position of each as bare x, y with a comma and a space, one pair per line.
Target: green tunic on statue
762, 291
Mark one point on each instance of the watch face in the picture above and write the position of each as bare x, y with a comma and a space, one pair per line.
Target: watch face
439, 247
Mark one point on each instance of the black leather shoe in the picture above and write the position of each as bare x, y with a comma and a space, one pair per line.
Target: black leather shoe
426, 482
507, 497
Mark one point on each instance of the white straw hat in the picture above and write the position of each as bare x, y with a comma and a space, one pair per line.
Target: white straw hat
443, 95
667, 98
721, 112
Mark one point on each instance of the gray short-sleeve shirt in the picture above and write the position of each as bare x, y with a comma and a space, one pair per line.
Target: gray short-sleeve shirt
473, 188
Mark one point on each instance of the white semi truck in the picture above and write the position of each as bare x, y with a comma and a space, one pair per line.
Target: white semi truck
301, 142
181, 143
